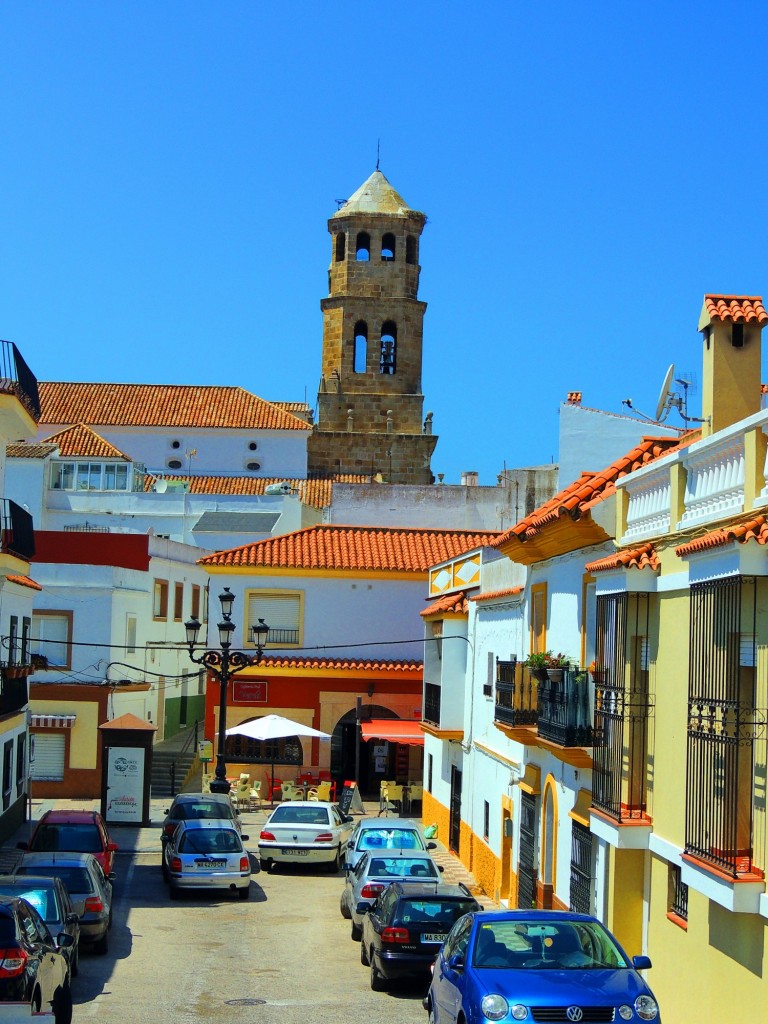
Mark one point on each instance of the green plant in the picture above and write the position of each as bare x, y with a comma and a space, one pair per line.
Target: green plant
546, 659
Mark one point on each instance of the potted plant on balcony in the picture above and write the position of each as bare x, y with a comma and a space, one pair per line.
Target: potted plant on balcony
548, 667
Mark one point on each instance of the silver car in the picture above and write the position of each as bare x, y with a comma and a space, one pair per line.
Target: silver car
386, 833
206, 853
377, 869
305, 832
89, 890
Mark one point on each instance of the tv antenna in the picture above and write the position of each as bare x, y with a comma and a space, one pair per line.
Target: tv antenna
671, 398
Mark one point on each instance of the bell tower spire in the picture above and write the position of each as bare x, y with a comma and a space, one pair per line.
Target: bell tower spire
370, 404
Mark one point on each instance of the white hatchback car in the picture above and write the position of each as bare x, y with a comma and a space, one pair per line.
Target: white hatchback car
205, 853
308, 832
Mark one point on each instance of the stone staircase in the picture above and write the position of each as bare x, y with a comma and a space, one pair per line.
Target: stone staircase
171, 763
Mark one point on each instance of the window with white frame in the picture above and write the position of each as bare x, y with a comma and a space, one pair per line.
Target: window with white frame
281, 610
52, 638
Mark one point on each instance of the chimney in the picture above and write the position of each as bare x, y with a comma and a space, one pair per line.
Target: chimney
469, 478
731, 326
574, 398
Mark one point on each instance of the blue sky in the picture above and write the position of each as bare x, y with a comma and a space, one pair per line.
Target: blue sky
589, 170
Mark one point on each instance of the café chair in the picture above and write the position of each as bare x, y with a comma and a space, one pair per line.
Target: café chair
325, 776
392, 795
322, 791
415, 795
290, 791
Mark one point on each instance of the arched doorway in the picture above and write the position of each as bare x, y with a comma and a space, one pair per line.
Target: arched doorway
344, 740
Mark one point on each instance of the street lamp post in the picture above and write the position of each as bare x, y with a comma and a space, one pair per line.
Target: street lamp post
224, 663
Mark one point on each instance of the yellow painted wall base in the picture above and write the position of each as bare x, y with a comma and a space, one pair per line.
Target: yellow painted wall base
625, 898
434, 813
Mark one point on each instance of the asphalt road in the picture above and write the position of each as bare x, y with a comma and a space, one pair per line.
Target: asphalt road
284, 956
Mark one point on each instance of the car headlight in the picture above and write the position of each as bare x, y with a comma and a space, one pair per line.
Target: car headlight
494, 1007
519, 1012
625, 1012
646, 1008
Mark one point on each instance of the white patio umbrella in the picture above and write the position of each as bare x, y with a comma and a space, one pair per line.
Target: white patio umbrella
274, 727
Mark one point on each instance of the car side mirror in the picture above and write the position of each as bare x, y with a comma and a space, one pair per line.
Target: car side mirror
347, 818
112, 876
431, 846
641, 963
22, 846
71, 919
64, 941
363, 908
456, 962
167, 810
244, 839
440, 868
112, 847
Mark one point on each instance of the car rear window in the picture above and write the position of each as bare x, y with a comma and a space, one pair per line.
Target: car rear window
307, 815
72, 838
43, 900
399, 867
391, 838
77, 880
432, 911
189, 812
210, 840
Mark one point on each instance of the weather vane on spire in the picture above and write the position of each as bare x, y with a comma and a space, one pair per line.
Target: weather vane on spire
378, 153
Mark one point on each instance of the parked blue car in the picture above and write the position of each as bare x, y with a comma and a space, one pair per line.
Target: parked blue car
518, 965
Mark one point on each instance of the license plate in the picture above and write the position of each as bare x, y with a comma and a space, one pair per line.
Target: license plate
294, 850
210, 863
432, 936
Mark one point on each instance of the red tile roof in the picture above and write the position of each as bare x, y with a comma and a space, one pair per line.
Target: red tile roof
161, 405
591, 488
365, 548
751, 529
738, 308
451, 603
81, 442
24, 450
494, 595
24, 581
315, 492
637, 558
345, 664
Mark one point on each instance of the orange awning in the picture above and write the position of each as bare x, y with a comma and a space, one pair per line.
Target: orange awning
393, 729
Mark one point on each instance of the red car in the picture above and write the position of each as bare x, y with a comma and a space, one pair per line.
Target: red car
73, 832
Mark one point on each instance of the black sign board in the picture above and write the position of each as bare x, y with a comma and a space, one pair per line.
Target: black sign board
350, 799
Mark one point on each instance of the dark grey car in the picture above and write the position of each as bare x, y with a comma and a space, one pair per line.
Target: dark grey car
49, 896
89, 890
377, 869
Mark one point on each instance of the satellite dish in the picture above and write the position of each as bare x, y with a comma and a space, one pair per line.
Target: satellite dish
161, 486
663, 406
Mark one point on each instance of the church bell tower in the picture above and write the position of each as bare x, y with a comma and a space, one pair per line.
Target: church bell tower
369, 405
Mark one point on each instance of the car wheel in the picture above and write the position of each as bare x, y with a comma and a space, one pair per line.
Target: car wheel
164, 869
335, 864
344, 908
245, 893
102, 945
357, 932
62, 1004
364, 954
378, 983
265, 865
37, 1001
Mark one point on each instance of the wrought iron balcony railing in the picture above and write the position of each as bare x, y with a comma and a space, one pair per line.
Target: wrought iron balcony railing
14, 692
516, 695
432, 695
565, 709
17, 535
17, 378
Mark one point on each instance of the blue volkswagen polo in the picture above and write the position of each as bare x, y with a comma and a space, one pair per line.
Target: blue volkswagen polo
536, 965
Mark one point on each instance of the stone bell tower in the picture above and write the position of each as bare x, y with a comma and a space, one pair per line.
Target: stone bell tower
370, 405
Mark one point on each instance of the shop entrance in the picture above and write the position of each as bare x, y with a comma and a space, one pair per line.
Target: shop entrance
378, 759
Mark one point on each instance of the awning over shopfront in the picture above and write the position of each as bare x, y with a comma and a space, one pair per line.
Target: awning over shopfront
396, 730
53, 721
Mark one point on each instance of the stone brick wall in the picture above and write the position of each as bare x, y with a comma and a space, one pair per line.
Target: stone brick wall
400, 458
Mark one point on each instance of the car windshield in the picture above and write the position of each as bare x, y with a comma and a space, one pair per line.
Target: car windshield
432, 911
299, 815
77, 880
43, 900
72, 838
390, 838
539, 945
398, 867
187, 812
209, 840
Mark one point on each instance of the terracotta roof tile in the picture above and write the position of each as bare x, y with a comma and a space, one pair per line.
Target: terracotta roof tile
316, 492
364, 548
637, 558
81, 442
24, 450
751, 529
161, 405
494, 595
455, 603
345, 664
25, 581
583, 494
737, 308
